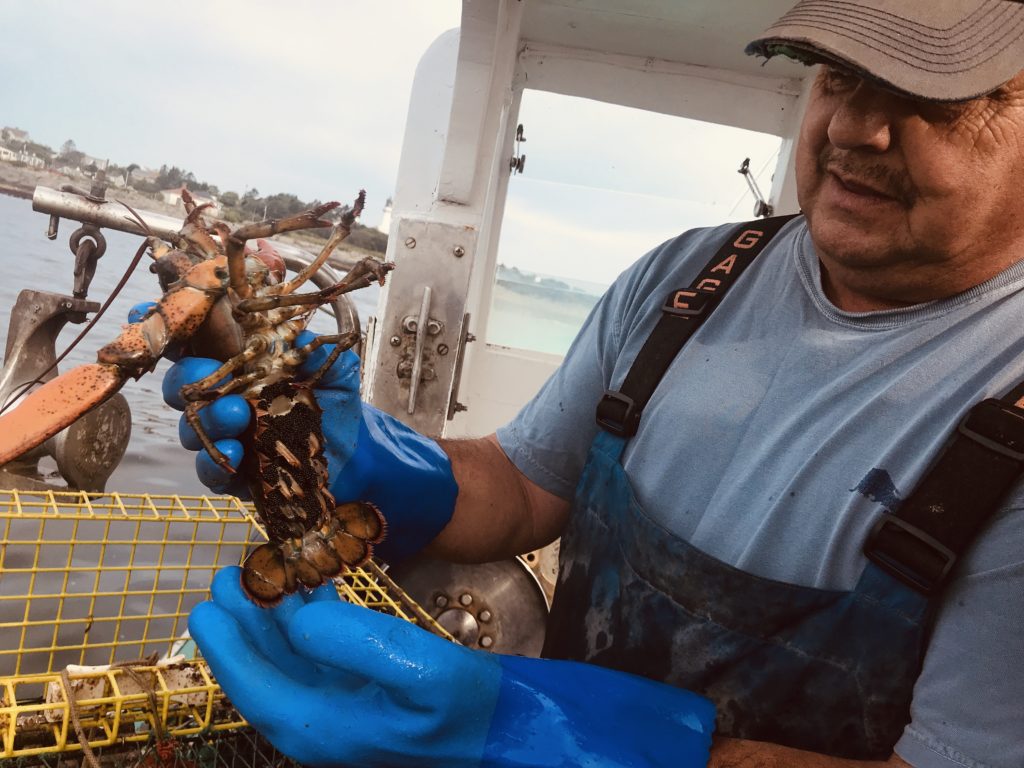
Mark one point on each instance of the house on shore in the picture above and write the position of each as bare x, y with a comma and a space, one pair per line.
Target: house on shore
11, 135
173, 197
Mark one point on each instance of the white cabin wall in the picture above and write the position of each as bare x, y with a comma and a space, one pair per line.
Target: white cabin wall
783, 189
450, 182
669, 87
426, 133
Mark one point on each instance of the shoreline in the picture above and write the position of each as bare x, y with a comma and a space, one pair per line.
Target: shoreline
25, 194
22, 182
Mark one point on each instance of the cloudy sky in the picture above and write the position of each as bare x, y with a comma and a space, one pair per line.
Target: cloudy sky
307, 97
310, 98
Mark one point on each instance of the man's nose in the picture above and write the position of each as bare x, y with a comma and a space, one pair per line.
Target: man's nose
863, 120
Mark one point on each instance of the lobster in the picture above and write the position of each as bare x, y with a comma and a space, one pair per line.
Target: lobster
222, 284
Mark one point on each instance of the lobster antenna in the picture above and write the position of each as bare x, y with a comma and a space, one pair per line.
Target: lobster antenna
141, 222
23, 388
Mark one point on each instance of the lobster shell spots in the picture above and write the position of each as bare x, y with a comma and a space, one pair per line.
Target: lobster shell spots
307, 573
318, 554
265, 574
361, 519
351, 550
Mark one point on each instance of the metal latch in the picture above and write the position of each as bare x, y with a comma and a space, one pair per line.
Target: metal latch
416, 369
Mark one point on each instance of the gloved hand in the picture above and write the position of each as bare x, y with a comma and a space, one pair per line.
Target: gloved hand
371, 456
332, 684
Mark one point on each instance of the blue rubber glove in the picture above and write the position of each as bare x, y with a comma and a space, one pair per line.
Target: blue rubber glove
331, 684
371, 456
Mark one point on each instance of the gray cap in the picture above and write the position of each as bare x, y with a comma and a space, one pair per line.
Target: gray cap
939, 50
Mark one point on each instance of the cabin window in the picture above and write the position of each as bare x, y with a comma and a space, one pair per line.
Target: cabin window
602, 185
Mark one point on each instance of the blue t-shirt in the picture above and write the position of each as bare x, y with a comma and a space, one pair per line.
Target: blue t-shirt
786, 426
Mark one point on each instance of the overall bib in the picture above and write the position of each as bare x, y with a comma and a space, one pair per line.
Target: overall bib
826, 671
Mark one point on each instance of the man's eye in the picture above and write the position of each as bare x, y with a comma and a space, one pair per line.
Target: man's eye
837, 81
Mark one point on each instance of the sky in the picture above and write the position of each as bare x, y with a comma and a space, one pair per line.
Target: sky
603, 184
310, 97
305, 97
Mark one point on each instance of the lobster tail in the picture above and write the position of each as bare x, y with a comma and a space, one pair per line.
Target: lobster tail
346, 540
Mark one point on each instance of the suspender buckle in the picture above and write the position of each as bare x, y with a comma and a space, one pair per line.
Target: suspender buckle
687, 303
906, 552
618, 414
997, 426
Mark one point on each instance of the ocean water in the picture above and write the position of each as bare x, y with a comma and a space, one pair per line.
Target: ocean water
540, 320
155, 462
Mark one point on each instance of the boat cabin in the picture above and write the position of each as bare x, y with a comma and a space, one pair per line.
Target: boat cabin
500, 258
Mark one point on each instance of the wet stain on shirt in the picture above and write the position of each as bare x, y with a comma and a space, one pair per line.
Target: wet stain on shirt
878, 487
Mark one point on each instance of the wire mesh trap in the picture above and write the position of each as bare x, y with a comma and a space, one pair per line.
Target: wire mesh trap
95, 662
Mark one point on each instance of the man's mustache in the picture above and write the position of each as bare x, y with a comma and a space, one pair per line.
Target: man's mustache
848, 166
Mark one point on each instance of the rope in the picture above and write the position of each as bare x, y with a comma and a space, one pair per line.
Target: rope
129, 669
87, 753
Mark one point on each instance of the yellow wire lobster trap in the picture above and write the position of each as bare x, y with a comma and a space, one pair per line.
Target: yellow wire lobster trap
95, 591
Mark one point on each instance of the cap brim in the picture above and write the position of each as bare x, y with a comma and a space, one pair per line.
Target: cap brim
961, 61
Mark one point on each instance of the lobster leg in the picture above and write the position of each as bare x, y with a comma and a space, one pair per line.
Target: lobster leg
341, 231
363, 274
235, 245
194, 230
201, 400
342, 341
206, 388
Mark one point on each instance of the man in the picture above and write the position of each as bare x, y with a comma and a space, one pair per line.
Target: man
721, 548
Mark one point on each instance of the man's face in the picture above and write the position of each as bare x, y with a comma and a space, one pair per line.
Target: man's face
909, 201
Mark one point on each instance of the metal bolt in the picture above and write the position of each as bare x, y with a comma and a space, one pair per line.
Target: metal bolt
395, 341
470, 337
466, 599
486, 641
485, 615
459, 407
410, 242
442, 349
441, 601
459, 251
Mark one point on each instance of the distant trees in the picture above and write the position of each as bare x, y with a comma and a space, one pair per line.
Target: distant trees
40, 150
69, 154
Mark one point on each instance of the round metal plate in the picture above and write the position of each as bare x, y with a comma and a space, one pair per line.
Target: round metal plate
498, 606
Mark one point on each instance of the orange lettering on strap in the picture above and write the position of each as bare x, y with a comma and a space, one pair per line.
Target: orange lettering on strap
708, 285
749, 238
679, 300
725, 266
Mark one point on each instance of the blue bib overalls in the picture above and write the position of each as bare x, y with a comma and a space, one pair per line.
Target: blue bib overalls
826, 671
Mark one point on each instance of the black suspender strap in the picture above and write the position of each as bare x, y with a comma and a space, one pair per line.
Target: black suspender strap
920, 542
683, 312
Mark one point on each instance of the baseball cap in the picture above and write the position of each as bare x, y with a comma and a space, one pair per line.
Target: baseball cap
937, 50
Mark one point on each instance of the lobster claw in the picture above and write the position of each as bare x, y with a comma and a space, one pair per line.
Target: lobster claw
57, 404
